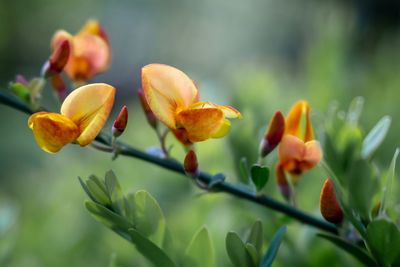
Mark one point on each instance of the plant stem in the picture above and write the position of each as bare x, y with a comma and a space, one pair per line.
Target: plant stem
206, 178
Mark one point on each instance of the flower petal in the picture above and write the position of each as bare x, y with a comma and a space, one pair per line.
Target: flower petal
291, 149
223, 130
52, 131
229, 112
301, 109
201, 124
89, 107
168, 91
312, 154
93, 27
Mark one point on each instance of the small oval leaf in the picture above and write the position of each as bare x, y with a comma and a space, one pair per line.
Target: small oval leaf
259, 176
375, 137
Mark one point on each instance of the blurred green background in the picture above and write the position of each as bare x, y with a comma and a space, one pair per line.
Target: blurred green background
256, 55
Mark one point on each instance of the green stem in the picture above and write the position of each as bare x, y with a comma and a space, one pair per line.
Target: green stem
173, 165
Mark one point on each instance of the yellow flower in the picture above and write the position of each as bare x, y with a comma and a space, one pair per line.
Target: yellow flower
83, 114
173, 98
298, 151
90, 51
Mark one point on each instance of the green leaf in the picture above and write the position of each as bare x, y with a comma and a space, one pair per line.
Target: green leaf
115, 193
355, 109
273, 247
148, 217
349, 143
244, 170
259, 176
383, 238
387, 181
97, 192
200, 251
355, 251
108, 218
375, 137
21, 91
150, 250
251, 249
86, 189
256, 235
237, 251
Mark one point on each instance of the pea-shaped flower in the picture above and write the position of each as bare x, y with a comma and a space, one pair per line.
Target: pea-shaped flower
90, 51
298, 151
83, 115
173, 98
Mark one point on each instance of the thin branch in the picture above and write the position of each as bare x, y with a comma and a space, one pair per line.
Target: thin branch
206, 178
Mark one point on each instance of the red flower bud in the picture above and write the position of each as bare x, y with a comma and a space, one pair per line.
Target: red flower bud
273, 135
57, 61
282, 182
329, 206
151, 118
191, 165
120, 122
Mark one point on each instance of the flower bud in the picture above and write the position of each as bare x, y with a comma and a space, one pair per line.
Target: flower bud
151, 118
59, 86
57, 61
120, 122
191, 165
273, 134
19, 78
282, 182
329, 206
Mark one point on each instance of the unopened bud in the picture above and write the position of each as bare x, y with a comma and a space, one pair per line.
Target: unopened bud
57, 61
329, 206
273, 134
151, 118
19, 78
59, 86
282, 182
120, 122
191, 165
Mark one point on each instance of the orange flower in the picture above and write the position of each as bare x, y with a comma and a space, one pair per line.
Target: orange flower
90, 51
173, 98
298, 151
83, 114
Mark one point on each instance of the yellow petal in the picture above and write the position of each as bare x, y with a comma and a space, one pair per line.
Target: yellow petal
52, 131
89, 107
93, 27
200, 124
168, 91
223, 130
301, 109
229, 112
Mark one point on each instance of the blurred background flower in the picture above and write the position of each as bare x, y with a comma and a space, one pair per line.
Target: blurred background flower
258, 56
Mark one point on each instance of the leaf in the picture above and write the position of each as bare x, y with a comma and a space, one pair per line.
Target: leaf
148, 217
244, 170
200, 251
387, 181
259, 176
97, 192
355, 109
109, 218
150, 250
21, 91
237, 251
256, 235
251, 249
375, 137
355, 251
86, 189
273, 247
115, 193
383, 238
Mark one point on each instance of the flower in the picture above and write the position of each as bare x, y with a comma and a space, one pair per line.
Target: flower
273, 135
173, 98
90, 51
83, 114
120, 122
298, 151
329, 206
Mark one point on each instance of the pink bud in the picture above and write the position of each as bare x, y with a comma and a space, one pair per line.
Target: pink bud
191, 165
57, 61
273, 135
19, 78
151, 118
120, 122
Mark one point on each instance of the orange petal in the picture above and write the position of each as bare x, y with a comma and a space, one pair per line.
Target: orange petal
291, 149
93, 27
200, 124
89, 107
52, 131
229, 112
167, 91
301, 109
312, 154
